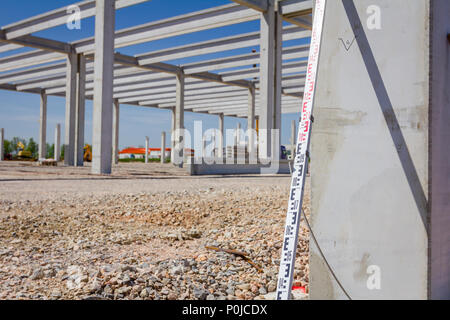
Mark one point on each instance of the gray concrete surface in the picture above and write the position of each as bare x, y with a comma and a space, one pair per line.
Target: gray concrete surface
371, 153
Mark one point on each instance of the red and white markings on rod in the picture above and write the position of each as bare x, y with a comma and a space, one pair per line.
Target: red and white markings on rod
286, 272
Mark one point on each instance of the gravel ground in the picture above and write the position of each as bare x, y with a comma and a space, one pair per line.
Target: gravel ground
140, 234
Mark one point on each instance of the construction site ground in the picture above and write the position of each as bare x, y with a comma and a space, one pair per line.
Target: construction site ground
141, 233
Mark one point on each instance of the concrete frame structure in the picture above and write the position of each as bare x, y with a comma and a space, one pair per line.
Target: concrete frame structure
92, 70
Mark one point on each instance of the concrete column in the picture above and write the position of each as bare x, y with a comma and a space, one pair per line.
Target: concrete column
203, 148
103, 86
179, 119
221, 137
293, 137
172, 136
2, 144
237, 136
146, 149
163, 146
251, 121
57, 151
278, 77
116, 122
380, 161
71, 100
439, 208
80, 111
43, 127
267, 80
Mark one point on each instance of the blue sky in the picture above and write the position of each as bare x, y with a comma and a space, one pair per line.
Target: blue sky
19, 112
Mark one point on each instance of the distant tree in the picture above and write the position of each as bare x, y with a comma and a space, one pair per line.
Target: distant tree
33, 147
62, 151
7, 147
50, 151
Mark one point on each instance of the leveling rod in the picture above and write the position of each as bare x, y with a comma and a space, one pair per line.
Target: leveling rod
287, 262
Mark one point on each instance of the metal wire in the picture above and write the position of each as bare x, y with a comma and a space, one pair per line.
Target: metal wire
324, 258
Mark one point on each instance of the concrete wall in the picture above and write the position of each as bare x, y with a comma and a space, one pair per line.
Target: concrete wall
370, 153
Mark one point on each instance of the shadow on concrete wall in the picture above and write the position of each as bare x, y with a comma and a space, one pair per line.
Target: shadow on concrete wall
388, 110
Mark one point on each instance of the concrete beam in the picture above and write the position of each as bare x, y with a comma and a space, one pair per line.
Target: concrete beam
246, 40
290, 8
43, 127
5, 47
37, 72
38, 43
103, 87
